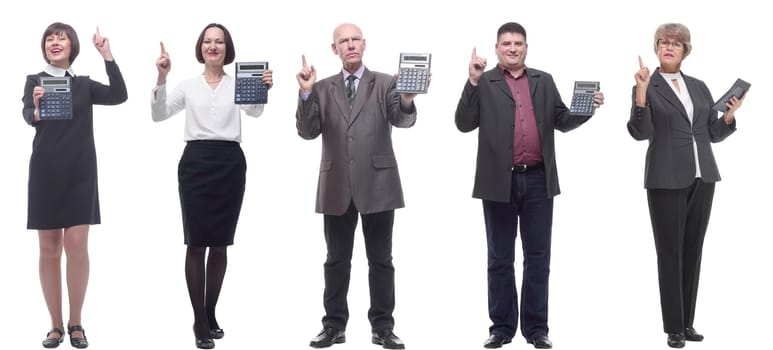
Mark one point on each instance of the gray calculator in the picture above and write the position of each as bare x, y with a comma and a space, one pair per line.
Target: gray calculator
250, 88
582, 98
56, 102
413, 74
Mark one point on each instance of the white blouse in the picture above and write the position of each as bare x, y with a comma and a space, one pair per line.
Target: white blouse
210, 114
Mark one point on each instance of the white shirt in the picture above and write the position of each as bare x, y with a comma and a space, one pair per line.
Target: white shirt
55, 71
210, 114
684, 97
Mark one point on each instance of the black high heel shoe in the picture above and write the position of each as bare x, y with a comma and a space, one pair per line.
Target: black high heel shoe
51, 343
80, 342
203, 343
216, 333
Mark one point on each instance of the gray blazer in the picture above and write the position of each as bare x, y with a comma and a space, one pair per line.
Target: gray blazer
490, 106
358, 162
670, 161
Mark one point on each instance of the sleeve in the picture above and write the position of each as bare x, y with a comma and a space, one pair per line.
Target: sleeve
112, 94
467, 115
308, 119
398, 115
252, 110
640, 124
718, 129
162, 106
28, 111
564, 120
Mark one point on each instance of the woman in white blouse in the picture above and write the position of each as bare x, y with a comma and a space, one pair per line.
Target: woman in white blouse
674, 112
212, 169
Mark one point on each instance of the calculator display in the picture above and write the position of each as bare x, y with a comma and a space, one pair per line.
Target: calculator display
56, 102
413, 73
250, 88
583, 97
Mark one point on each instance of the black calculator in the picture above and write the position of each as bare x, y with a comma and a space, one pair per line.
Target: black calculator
56, 102
582, 99
413, 74
250, 88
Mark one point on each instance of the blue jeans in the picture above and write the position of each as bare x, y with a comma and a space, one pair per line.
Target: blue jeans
530, 203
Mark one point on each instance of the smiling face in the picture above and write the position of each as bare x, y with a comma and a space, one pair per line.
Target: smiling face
213, 47
511, 50
58, 47
349, 45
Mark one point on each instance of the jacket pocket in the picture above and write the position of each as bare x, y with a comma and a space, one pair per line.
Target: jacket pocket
325, 165
386, 161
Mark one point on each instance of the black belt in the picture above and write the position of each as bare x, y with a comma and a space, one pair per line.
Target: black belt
522, 168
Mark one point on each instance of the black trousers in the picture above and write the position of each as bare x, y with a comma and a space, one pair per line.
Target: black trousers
679, 221
339, 236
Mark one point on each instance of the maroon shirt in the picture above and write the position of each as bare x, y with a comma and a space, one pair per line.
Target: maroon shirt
527, 148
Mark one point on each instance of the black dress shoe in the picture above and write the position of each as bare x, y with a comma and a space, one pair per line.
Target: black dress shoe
541, 342
495, 341
51, 343
387, 339
79, 342
676, 340
327, 337
203, 343
691, 335
216, 333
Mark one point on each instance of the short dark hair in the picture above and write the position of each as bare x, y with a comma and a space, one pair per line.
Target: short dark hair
58, 28
511, 27
230, 51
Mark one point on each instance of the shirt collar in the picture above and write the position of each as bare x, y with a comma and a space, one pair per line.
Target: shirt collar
57, 71
358, 73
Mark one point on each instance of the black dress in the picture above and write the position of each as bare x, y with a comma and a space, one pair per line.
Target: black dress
63, 166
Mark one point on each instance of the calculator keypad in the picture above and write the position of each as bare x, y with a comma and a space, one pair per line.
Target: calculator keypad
250, 91
412, 80
56, 105
582, 104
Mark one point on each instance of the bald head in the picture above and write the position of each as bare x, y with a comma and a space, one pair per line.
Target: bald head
349, 45
343, 28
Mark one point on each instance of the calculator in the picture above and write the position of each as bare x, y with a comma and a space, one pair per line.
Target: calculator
582, 99
413, 74
56, 102
250, 88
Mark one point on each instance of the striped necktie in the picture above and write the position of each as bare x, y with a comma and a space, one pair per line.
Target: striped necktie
350, 89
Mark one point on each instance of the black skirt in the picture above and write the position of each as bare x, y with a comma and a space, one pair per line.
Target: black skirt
211, 177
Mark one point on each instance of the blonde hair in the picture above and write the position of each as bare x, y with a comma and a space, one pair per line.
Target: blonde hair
676, 30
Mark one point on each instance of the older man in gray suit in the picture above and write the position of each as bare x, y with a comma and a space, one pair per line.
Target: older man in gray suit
354, 111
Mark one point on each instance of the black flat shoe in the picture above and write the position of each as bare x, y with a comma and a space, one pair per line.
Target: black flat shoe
495, 341
216, 333
79, 342
676, 340
691, 335
541, 342
387, 339
51, 343
203, 343
327, 337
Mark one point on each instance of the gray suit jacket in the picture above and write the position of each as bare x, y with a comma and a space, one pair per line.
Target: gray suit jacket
358, 162
670, 162
490, 106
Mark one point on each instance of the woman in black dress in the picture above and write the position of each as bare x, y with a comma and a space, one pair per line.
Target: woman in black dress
212, 170
63, 196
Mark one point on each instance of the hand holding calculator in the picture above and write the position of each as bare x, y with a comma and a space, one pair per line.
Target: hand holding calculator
56, 102
413, 73
583, 98
250, 88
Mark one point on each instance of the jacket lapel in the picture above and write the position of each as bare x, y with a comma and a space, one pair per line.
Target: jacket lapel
364, 89
662, 88
498, 79
534, 78
338, 91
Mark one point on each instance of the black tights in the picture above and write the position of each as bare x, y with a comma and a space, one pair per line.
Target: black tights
204, 284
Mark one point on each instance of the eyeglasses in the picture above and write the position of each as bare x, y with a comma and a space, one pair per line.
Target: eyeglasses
663, 43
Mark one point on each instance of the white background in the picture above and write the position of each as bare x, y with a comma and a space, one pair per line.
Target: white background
603, 293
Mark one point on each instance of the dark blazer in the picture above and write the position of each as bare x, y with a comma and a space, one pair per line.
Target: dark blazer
670, 161
358, 162
491, 107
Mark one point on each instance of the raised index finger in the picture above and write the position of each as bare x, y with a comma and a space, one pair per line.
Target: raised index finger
303, 58
641, 63
163, 50
474, 52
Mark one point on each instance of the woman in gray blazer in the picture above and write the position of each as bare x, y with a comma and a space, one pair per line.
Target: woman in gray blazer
674, 112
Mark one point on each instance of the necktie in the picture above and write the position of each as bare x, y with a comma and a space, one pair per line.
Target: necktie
350, 90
